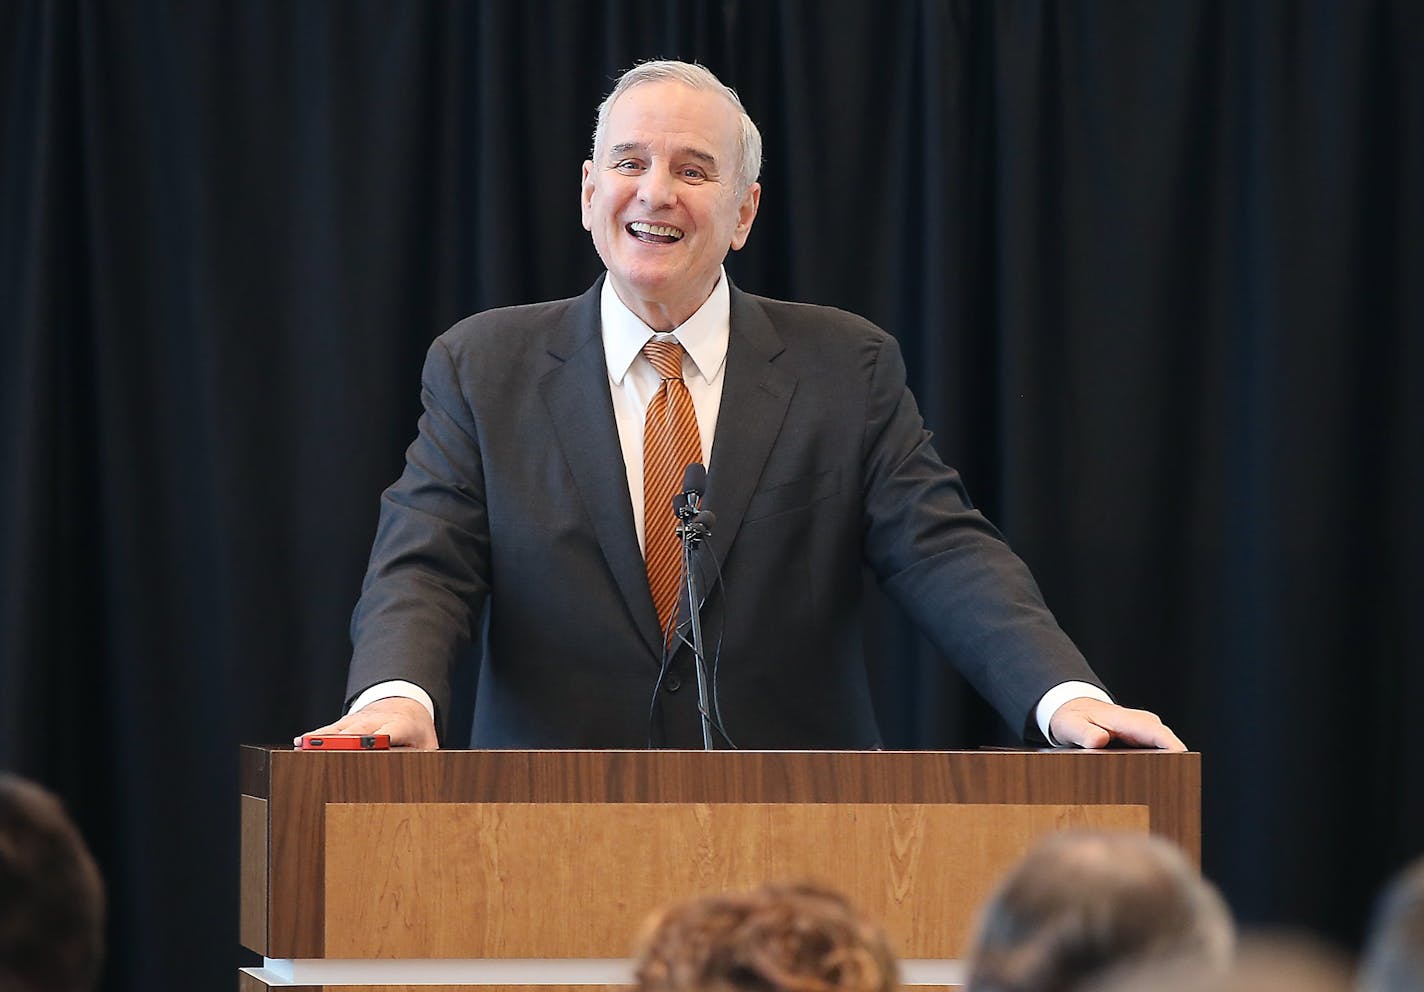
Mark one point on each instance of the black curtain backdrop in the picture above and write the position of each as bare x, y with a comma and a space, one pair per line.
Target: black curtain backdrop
1156, 268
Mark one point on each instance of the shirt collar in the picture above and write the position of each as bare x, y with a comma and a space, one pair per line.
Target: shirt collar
704, 335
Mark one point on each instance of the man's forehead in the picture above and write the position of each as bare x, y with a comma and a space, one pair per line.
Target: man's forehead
641, 110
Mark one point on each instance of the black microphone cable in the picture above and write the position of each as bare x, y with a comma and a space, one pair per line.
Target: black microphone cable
671, 630
657, 687
715, 717
717, 659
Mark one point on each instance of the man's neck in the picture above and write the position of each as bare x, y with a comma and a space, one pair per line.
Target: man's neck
661, 315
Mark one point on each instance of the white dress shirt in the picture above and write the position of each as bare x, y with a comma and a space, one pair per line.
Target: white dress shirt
633, 379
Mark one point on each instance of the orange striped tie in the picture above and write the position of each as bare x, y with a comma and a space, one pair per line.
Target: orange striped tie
670, 444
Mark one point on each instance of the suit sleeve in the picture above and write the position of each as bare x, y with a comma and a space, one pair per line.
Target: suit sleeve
948, 567
427, 579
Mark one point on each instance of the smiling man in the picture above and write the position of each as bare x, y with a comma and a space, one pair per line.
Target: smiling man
535, 505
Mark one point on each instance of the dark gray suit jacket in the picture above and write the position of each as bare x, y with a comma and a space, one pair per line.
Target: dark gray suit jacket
514, 501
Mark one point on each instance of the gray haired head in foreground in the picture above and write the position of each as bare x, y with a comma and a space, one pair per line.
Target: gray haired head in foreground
1081, 904
1394, 951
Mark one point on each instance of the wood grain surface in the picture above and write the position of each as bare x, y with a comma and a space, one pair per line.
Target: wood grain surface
304, 788
252, 911
578, 880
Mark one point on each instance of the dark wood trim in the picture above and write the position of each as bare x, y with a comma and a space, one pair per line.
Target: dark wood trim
254, 770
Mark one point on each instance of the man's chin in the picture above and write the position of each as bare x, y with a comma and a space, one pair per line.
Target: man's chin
651, 283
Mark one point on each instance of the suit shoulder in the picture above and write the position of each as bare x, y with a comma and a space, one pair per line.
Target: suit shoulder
826, 338
509, 328
796, 318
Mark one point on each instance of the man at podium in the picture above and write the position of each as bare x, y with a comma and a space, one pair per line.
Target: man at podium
535, 511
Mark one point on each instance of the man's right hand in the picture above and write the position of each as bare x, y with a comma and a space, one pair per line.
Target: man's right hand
406, 721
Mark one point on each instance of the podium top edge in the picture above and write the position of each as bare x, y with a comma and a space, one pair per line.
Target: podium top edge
987, 750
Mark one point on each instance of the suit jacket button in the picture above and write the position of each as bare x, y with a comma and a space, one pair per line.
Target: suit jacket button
673, 683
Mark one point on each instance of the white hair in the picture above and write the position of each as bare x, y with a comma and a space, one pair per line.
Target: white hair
697, 77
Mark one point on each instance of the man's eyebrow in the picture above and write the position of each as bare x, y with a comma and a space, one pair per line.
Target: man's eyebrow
689, 151
623, 147
707, 158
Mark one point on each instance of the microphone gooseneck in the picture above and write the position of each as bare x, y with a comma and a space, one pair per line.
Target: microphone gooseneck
694, 525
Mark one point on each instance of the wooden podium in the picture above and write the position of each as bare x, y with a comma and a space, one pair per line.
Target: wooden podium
431, 871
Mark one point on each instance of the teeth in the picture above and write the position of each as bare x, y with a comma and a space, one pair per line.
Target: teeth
661, 230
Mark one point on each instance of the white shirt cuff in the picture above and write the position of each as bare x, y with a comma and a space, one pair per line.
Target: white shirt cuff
1054, 698
407, 690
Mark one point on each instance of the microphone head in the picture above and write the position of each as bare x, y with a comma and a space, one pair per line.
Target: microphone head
694, 479
706, 518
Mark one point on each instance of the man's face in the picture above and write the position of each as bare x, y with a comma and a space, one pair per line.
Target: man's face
662, 201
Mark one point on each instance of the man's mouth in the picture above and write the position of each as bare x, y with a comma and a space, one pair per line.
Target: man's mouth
654, 234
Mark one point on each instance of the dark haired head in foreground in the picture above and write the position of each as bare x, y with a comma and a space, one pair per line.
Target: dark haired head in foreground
1082, 905
1394, 954
51, 896
780, 938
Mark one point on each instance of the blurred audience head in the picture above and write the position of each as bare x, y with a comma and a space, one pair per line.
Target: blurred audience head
1394, 949
779, 938
1081, 905
51, 896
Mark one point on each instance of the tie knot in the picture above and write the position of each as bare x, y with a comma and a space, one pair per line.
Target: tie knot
666, 357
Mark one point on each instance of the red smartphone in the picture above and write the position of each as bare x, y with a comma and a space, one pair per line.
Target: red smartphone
346, 742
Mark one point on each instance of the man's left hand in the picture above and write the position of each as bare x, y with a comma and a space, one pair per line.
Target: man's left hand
1088, 722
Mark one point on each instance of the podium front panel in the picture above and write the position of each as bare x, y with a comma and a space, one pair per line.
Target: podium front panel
558, 855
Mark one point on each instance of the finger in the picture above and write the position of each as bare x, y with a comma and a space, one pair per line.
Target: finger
330, 728
1162, 738
406, 732
1081, 732
1140, 728
359, 722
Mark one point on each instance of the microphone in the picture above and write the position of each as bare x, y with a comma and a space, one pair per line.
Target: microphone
694, 483
694, 479
699, 525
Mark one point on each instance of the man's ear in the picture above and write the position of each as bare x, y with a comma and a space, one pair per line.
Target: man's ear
586, 196
746, 213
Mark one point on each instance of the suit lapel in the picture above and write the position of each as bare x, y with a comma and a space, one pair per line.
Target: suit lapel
755, 397
576, 393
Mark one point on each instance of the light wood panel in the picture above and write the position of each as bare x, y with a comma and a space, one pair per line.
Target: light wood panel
576, 880
252, 913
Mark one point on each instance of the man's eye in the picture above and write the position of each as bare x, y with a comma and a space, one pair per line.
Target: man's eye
627, 165
694, 175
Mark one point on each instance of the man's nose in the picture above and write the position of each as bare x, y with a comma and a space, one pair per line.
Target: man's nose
656, 189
